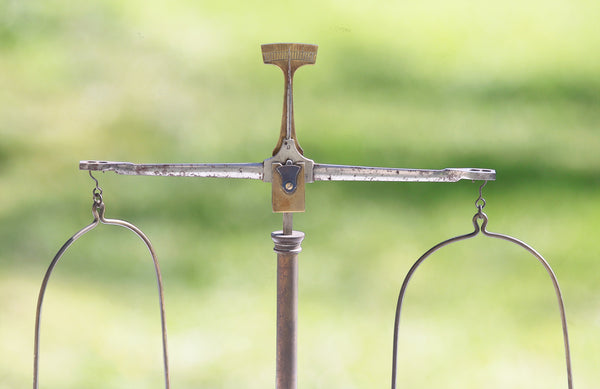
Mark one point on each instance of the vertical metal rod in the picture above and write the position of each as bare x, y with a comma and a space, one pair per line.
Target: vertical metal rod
289, 94
287, 316
287, 247
288, 223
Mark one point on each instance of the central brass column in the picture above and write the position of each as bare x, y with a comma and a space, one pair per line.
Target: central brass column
287, 248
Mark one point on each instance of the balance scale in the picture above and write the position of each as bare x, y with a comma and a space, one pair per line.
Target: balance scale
288, 171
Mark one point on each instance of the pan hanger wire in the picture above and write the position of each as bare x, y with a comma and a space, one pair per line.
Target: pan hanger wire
98, 209
480, 215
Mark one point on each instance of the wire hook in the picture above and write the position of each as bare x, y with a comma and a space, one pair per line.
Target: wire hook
97, 191
480, 202
94, 178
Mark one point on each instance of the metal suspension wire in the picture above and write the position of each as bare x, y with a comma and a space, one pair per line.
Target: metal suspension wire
480, 215
98, 209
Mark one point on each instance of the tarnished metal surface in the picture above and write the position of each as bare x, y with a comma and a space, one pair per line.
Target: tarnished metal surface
282, 199
215, 170
287, 247
322, 172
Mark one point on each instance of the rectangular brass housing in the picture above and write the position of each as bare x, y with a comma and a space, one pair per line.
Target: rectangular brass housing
287, 202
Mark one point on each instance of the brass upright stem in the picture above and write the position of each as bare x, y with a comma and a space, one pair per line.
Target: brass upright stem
287, 247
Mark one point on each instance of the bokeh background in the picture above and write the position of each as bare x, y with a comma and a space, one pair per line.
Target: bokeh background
512, 85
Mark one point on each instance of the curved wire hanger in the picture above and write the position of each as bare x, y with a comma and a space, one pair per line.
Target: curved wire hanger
98, 209
480, 215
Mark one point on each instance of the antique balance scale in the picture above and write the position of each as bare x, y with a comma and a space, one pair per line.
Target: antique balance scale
288, 171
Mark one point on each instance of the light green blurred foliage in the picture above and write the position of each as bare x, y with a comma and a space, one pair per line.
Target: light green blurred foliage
513, 86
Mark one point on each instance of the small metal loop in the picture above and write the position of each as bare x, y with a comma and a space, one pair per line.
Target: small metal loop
480, 216
97, 191
480, 202
97, 197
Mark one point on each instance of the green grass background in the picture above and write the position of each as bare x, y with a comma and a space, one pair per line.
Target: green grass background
512, 85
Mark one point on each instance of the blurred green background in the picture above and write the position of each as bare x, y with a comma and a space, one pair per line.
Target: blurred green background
513, 86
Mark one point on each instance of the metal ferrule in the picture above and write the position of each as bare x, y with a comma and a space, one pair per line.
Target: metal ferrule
287, 243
